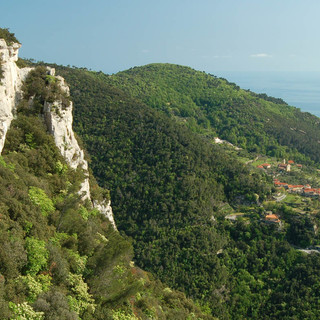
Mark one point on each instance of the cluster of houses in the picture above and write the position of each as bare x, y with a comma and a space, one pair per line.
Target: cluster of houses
281, 166
304, 190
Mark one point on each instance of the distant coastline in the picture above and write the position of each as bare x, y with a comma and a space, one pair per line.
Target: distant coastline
298, 89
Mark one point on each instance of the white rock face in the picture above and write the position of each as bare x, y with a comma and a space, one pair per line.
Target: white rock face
58, 119
59, 123
106, 209
10, 87
219, 141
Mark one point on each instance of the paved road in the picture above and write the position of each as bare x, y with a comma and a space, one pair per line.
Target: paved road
278, 199
308, 251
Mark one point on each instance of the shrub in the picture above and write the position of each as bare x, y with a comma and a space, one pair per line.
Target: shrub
121, 315
35, 285
43, 88
24, 311
37, 255
8, 36
54, 305
81, 300
1, 71
39, 198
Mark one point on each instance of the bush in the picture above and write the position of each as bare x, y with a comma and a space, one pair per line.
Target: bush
35, 285
37, 255
8, 36
54, 305
43, 88
39, 198
24, 311
81, 300
1, 71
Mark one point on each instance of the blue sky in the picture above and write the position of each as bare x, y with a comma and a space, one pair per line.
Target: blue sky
208, 35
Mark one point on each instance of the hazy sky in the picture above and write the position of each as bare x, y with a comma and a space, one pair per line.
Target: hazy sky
209, 35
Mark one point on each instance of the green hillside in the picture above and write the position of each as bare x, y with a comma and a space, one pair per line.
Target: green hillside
171, 190
191, 214
215, 107
59, 258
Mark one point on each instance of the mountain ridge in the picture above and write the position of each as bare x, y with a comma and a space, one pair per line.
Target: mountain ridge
214, 106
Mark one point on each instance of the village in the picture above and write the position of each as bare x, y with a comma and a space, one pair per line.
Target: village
286, 191
302, 189
297, 193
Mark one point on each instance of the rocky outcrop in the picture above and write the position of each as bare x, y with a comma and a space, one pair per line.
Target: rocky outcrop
10, 86
59, 121
58, 118
219, 141
105, 208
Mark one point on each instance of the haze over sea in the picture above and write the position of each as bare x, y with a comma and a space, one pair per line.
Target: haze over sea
299, 89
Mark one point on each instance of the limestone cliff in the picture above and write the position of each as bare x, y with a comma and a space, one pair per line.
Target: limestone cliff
59, 121
10, 87
58, 118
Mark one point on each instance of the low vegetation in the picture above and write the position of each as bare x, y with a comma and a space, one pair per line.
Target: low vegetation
8, 36
1, 71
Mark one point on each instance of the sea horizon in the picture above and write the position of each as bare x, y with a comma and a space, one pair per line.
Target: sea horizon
297, 88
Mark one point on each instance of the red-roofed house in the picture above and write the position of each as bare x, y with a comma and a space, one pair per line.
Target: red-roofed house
296, 188
310, 192
272, 218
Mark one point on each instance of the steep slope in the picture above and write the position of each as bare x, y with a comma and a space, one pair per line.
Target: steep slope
50, 95
60, 257
11, 78
171, 189
167, 184
214, 106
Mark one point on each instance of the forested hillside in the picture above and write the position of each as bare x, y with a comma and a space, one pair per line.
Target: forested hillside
59, 257
191, 214
213, 106
167, 184
171, 190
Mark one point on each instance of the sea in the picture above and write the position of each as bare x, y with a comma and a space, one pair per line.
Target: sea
298, 89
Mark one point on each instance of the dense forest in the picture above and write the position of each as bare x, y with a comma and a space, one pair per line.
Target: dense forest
149, 136
215, 107
170, 188
59, 257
